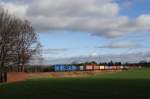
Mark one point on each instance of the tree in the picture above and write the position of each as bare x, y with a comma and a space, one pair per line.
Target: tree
6, 42
26, 43
17, 42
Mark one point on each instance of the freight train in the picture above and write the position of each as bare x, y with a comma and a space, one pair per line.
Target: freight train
58, 68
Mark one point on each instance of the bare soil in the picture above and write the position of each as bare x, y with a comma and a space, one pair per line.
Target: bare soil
22, 76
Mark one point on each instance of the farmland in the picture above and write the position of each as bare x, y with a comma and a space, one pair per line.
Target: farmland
132, 84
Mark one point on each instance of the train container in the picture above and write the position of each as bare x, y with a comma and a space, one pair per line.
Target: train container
132, 66
102, 67
65, 68
78, 68
59, 68
114, 67
62, 68
121, 67
81, 68
126, 67
74, 68
118, 67
110, 67
106, 67
89, 67
96, 67
68, 68
56, 68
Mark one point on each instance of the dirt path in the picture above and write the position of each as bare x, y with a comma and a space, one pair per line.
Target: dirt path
21, 76
16, 76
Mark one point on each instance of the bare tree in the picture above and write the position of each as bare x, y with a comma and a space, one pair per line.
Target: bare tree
6, 42
26, 43
17, 42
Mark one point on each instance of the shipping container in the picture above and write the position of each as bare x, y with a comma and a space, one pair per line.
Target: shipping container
56, 68
59, 68
65, 68
96, 67
121, 67
118, 67
106, 67
102, 67
114, 67
68, 68
74, 68
81, 68
89, 67
110, 67
62, 68
126, 67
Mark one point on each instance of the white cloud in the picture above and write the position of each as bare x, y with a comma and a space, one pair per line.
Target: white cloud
97, 17
144, 21
94, 54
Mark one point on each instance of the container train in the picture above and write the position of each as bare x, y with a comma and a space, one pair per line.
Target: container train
58, 68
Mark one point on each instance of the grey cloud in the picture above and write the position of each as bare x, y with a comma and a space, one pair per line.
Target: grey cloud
117, 45
97, 17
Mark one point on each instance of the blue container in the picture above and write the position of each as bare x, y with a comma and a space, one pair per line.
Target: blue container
65, 68
74, 68
77, 68
71, 68
62, 68
59, 68
68, 68
56, 68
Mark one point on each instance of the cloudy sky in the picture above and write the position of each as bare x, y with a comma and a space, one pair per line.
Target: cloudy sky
74, 28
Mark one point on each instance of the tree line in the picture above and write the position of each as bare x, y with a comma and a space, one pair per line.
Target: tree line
18, 42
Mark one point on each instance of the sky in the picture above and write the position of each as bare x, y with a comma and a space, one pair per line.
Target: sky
87, 28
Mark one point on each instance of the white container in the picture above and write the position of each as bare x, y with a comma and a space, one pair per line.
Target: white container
102, 67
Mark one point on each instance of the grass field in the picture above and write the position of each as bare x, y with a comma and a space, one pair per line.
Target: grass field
132, 84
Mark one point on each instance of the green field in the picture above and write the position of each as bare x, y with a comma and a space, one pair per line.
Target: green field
132, 84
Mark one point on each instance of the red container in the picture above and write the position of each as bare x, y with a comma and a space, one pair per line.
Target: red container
96, 67
118, 67
89, 67
114, 67
106, 67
